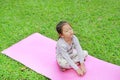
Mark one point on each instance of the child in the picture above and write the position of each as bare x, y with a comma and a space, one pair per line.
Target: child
69, 51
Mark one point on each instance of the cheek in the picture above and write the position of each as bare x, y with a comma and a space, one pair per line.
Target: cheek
66, 34
72, 32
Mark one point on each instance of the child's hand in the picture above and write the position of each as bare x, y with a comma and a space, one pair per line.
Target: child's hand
79, 72
83, 67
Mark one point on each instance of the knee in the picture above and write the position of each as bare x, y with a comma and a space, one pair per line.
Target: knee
62, 63
85, 53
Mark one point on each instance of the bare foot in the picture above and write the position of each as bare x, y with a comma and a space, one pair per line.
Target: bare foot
79, 72
63, 69
83, 68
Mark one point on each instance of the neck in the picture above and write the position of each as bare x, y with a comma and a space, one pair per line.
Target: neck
69, 41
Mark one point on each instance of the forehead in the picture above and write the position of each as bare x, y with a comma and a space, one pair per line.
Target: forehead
66, 26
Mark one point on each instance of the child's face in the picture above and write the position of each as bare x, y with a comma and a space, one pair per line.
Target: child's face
67, 31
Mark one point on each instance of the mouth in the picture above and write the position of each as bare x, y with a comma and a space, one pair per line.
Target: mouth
71, 35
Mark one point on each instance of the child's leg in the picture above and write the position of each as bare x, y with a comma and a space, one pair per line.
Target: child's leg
76, 58
85, 54
63, 63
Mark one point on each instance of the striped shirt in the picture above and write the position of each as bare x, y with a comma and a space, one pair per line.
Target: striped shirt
65, 50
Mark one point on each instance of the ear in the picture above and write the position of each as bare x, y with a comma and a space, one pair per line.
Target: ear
61, 35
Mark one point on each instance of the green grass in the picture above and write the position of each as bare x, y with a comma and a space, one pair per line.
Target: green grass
96, 23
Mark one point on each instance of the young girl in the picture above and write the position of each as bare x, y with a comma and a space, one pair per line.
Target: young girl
69, 51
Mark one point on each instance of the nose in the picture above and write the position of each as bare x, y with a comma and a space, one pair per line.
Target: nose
71, 31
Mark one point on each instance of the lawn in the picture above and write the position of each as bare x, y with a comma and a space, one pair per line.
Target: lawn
96, 23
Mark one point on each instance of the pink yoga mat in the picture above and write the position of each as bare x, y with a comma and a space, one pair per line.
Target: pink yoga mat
38, 53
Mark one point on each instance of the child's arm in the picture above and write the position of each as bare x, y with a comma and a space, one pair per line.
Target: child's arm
78, 48
80, 54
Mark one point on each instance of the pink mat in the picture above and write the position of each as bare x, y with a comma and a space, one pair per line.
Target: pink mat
38, 53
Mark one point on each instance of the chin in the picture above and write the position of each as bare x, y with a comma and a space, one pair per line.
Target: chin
71, 36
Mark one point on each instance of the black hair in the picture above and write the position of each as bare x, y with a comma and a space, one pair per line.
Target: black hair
60, 25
